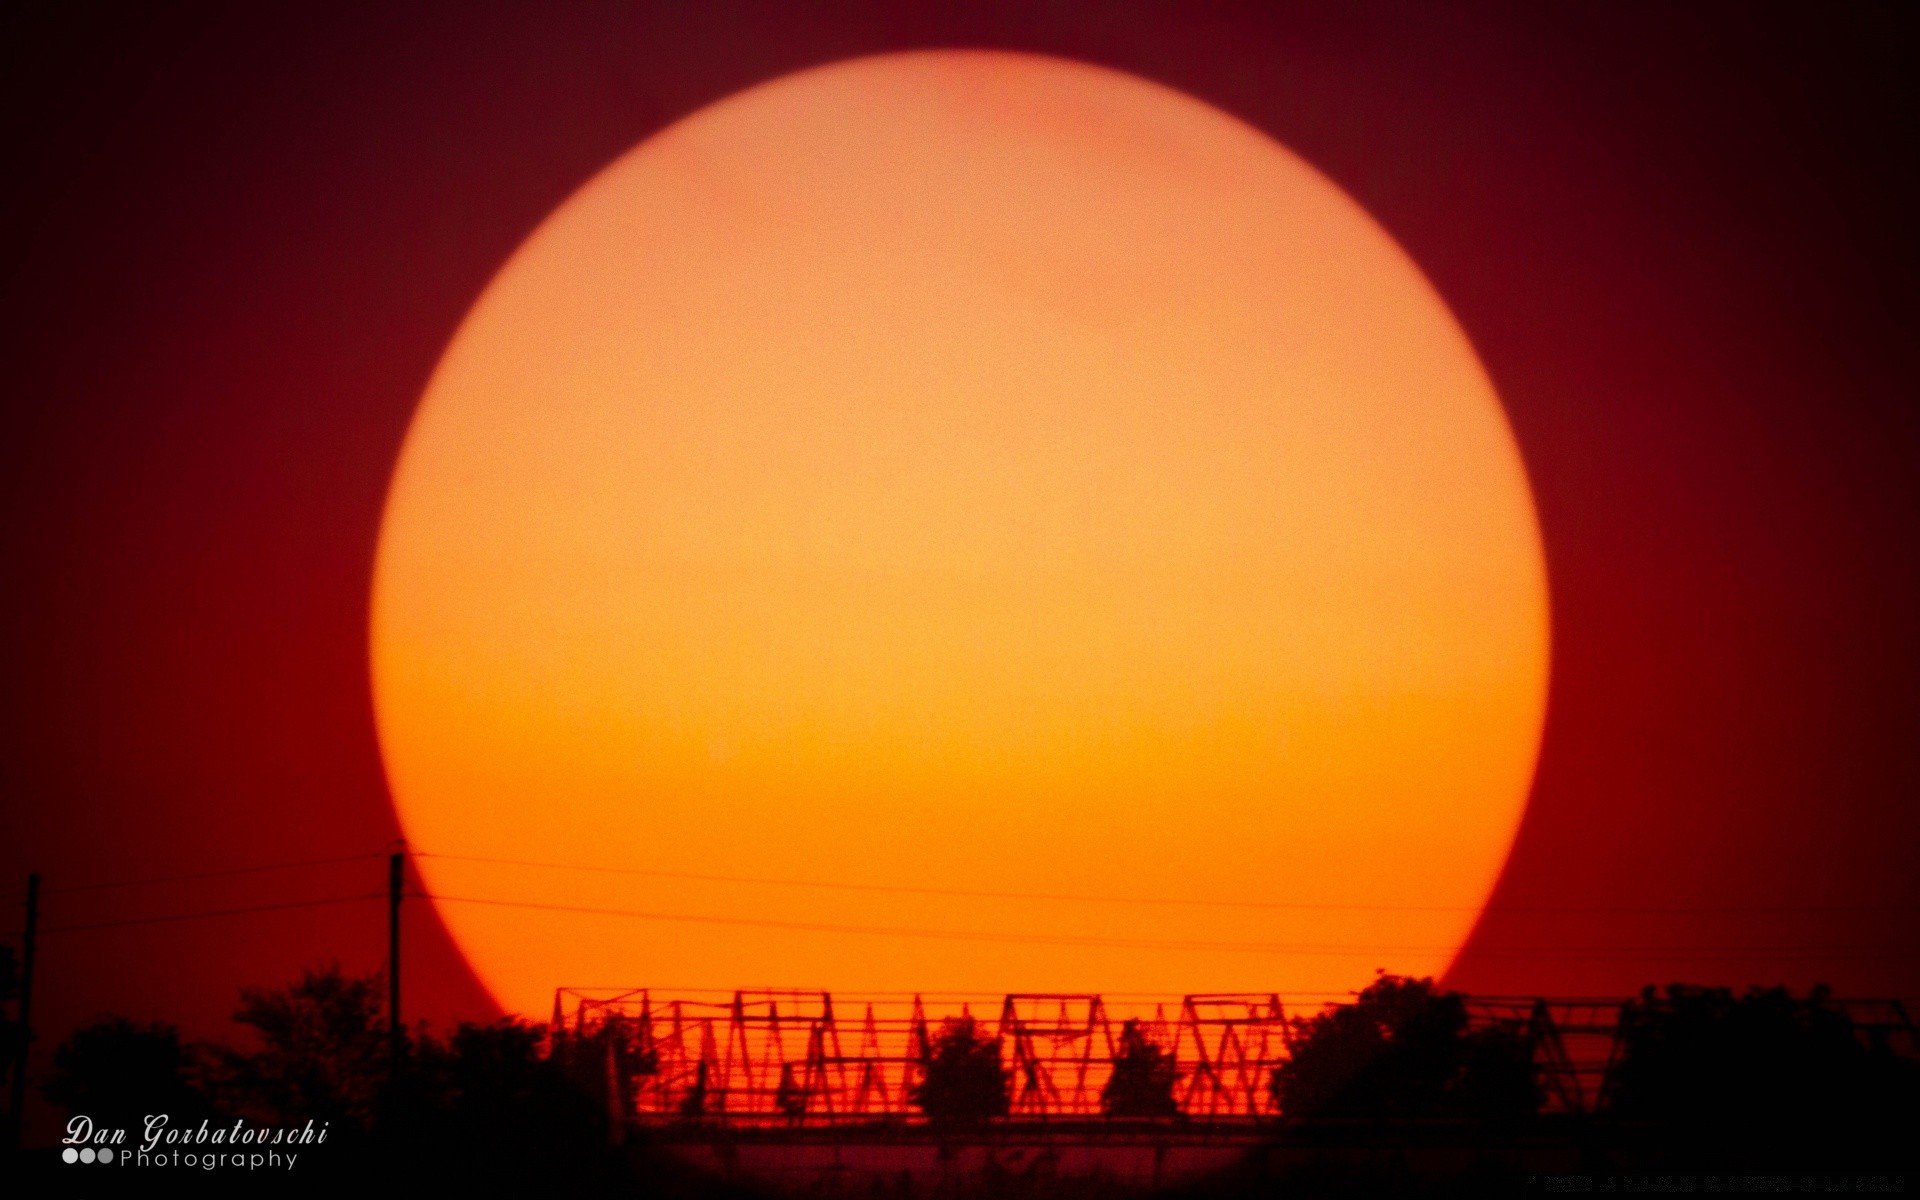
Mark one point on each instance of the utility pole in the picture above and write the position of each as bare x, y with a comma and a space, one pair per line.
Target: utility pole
396, 878
16, 1104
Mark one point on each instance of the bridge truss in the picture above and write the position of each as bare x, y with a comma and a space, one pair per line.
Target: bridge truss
792, 1058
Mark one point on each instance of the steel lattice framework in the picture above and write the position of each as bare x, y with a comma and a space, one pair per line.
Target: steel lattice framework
794, 1058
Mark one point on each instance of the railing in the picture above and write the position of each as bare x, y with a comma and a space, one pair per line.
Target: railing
790, 1058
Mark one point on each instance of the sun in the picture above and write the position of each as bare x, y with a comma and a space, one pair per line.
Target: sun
959, 521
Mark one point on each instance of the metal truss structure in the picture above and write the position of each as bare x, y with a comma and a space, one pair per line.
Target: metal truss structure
789, 1058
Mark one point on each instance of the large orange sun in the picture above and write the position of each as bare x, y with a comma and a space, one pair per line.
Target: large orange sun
959, 473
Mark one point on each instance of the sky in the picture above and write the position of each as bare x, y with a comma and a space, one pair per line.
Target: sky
238, 243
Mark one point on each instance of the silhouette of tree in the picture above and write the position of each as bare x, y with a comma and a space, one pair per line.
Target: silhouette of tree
495, 1075
1777, 1074
965, 1082
484, 1105
117, 1073
790, 1098
1402, 1050
323, 1052
484, 1109
1497, 1079
694, 1104
489, 1094
1143, 1077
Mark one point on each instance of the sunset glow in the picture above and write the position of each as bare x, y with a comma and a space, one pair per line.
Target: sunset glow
963, 472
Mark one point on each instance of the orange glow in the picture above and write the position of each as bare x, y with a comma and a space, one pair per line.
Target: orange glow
961, 471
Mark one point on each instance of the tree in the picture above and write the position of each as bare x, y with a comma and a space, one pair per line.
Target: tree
790, 1098
694, 1104
492, 1077
1766, 1068
1497, 1079
484, 1108
323, 1053
489, 1094
1143, 1077
964, 1081
1403, 1049
117, 1073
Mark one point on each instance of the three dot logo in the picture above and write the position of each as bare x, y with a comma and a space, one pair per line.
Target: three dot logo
87, 1155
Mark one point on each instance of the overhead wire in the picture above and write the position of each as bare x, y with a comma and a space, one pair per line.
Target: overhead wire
217, 874
1189, 901
1091, 941
212, 912
965, 893
1343, 951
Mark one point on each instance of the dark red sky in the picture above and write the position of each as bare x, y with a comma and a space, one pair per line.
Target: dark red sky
237, 238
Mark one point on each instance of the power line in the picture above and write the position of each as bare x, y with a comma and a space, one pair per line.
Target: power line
221, 874
981, 894
1337, 951
1086, 941
964, 893
973, 893
213, 912
1092, 941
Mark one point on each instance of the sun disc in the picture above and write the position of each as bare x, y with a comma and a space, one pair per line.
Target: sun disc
959, 521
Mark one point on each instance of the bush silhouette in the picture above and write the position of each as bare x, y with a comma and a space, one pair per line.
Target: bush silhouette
323, 1054
1143, 1077
964, 1081
1772, 1072
117, 1073
1403, 1050
488, 1094
694, 1103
